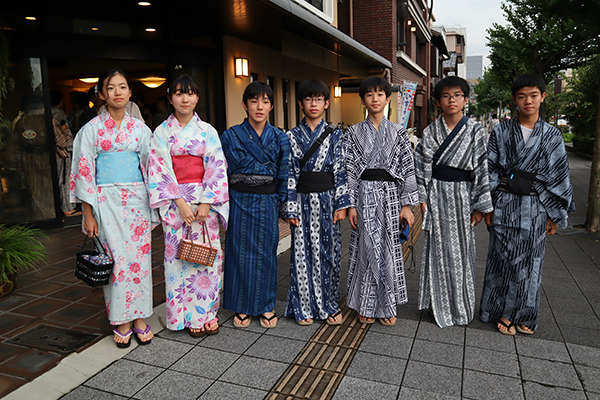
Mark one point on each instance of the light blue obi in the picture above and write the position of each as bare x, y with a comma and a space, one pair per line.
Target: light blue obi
118, 167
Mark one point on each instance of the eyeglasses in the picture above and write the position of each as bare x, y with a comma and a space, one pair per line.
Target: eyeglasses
455, 96
318, 100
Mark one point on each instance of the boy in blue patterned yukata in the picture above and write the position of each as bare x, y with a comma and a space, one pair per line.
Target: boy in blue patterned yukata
257, 159
317, 201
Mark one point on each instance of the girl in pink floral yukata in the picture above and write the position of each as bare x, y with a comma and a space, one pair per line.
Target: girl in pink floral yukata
188, 183
108, 175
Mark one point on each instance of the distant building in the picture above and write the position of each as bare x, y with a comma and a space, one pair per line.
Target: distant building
456, 40
474, 67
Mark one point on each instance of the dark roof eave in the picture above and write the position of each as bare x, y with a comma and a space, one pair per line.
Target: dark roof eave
301, 13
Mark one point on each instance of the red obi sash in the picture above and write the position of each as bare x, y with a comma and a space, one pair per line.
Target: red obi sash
188, 168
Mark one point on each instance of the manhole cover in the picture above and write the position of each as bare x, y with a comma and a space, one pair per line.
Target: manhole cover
55, 339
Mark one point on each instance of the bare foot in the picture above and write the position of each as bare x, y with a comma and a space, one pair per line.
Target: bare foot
125, 330
390, 320
507, 329
267, 318
366, 320
336, 318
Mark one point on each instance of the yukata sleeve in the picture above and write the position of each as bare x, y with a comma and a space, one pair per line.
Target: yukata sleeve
144, 154
161, 176
481, 198
283, 163
352, 167
229, 146
290, 208
82, 183
493, 158
340, 177
423, 162
556, 191
215, 188
409, 192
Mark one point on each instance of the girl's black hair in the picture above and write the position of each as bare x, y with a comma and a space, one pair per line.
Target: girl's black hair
375, 83
257, 89
451, 82
106, 75
312, 87
186, 85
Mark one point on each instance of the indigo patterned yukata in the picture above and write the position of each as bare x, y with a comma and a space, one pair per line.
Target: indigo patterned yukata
316, 242
108, 172
253, 233
513, 276
192, 290
447, 283
376, 282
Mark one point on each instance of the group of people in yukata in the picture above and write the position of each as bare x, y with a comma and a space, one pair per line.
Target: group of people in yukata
189, 179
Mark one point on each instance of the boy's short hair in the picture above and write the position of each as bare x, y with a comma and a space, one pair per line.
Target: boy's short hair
528, 80
256, 90
451, 82
375, 83
312, 88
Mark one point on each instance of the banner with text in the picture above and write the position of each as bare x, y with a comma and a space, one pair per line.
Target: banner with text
405, 106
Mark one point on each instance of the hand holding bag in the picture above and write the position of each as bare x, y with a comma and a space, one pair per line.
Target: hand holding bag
93, 267
199, 253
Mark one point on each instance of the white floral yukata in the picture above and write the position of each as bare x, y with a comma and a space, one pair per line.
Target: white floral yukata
121, 209
193, 290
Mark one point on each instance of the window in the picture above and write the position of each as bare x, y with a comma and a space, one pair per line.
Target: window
324, 9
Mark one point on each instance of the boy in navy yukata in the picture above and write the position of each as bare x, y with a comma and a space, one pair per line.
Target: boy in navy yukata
317, 201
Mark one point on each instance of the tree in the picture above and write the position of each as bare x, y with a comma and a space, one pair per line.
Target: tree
544, 37
491, 94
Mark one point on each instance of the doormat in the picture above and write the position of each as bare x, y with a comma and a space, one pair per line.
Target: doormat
52, 338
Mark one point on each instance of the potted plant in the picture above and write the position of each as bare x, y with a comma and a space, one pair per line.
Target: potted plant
20, 250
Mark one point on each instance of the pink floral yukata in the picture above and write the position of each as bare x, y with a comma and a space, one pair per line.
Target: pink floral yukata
121, 209
193, 290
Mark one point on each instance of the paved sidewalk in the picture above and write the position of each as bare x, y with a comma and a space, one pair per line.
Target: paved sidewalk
413, 360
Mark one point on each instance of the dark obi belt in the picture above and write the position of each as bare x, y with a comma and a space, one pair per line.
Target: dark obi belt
188, 168
377, 175
258, 189
311, 182
449, 174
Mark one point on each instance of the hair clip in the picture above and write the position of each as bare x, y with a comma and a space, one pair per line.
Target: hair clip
96, 90
168, 91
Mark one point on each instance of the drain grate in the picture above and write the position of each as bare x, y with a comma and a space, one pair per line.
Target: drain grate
319, 368
52, 338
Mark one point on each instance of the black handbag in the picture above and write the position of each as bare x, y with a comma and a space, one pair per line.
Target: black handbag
94, 267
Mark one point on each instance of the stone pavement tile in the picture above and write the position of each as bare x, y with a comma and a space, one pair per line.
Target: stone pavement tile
409, 311
124, 377
275, 348
590, 378
288, 328
581, 336
180, 336
15, 300
404, 327
493, 362
87, 393
479, 385
536, 391
593, 396
438, 353
433, 378
413, 394
377, 368
584, 355
548, 328
254, 325
9, 384
31, 363
491, 340
254, 372
359, 389
160, 353
205, 362
8, 351
534, 347
231, 339
227, 391
585, 318
432, 332
387, 345
172, 385
547, 372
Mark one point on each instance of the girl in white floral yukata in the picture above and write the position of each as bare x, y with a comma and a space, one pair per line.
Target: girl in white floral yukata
188, 183
108, 174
